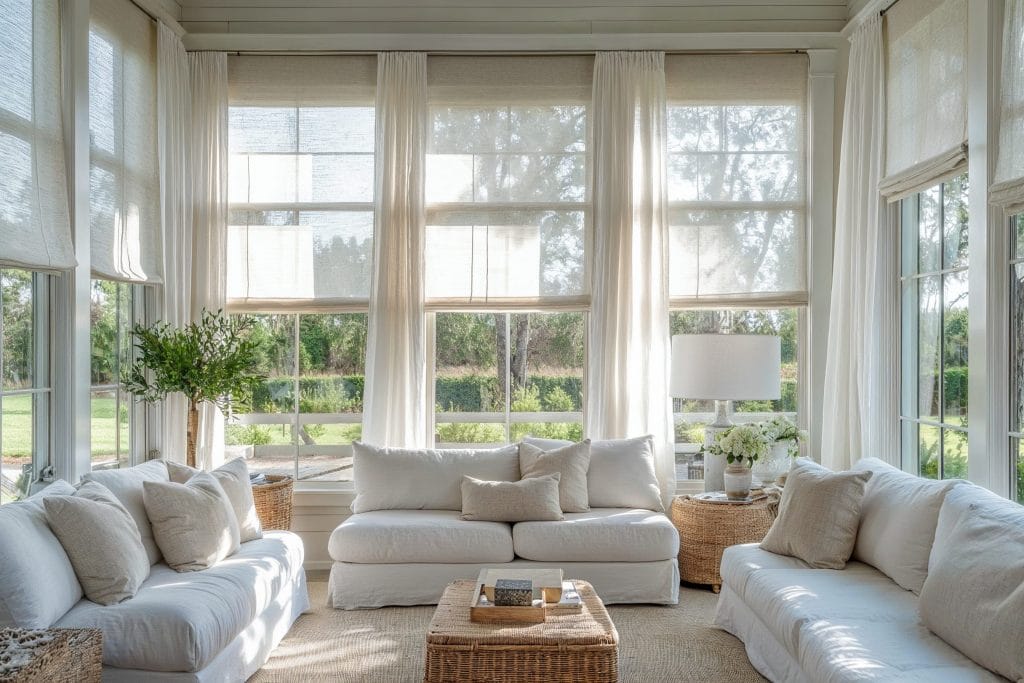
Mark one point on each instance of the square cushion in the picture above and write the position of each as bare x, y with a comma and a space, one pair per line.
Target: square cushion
599, 535
535, 498
424, 479
570, 462
234, 478
176, 624
407, 536
39, 583
897, 522
126, 485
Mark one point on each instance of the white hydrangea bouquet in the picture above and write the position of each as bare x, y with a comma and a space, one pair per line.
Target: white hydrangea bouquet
781, 429
741, 445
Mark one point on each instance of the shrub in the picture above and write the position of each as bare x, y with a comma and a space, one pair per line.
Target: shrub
469, 432
245, 435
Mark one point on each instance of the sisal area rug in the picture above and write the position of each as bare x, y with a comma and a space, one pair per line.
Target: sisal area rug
656, 644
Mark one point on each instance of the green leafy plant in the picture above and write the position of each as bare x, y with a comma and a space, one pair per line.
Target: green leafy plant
742, 444
212, 360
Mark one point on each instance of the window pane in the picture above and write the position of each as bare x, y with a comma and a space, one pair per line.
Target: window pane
954, 223
104, 435
930, 230
1017, 345
103, 332
470, 378
17, 347
954, 348
16, 445
928, 451
954, 454
275, 336
929, 345
1017, 451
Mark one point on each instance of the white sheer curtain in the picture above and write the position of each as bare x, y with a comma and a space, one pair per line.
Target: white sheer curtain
209, 74
859, 414
174, 122
395, 393
629, 337
1008, 190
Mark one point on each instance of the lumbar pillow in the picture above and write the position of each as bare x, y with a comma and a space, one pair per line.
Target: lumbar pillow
973, 597
621, 473
534, 499
569, 462
101, 540
818, 515
424, 478
193, 523
126, 485
897, 522
234, 478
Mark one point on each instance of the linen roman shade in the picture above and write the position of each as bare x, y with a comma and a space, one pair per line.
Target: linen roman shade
124, 189
736, 179
300, 182
507, 177
926, 94
1008, 189
34, 228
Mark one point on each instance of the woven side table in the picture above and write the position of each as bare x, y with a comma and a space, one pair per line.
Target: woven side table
60, 655
707, 529
273, 502
566, 648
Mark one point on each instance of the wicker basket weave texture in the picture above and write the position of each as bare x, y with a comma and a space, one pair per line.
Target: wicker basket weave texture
274, 502
51, 656
568, 647
707, 529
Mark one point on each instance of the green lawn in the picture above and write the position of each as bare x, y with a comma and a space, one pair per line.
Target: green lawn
16, 415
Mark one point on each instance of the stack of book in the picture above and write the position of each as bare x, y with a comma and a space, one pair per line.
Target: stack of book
552, 594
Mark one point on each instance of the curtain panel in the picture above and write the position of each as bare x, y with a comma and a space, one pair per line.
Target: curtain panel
628, 353
394, 397
1008, 189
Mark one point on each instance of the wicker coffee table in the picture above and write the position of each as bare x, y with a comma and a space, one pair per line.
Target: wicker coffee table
707, 529
567, 647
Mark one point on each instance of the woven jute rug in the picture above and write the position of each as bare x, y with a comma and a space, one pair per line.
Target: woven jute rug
656, 644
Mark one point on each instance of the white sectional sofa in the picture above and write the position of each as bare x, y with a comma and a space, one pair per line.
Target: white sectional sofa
219, 624
868, 621
407, 541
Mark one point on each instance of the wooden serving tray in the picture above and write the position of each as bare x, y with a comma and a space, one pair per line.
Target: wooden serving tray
482, 610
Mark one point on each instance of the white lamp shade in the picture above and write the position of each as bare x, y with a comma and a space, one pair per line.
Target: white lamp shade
726, 367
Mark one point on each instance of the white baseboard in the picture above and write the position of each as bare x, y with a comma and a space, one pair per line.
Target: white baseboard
317, 565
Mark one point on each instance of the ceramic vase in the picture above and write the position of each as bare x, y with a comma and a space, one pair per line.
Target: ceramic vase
737, 482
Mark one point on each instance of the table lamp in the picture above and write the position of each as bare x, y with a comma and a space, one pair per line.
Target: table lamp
724, 368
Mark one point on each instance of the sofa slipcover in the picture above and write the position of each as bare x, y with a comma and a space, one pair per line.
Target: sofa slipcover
599, 535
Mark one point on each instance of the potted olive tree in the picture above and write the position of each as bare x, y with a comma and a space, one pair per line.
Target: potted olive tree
742, 446
212, 360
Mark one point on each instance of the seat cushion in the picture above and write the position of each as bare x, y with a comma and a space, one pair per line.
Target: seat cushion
599, 535
181, 622
401, 536
739, 562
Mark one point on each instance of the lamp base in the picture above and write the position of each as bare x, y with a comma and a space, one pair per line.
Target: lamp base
714, 465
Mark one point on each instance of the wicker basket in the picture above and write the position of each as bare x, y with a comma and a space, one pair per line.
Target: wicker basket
52, 655
274, 502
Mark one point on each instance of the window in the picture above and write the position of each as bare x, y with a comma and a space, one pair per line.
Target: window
934, 257
25, 388
1017, 354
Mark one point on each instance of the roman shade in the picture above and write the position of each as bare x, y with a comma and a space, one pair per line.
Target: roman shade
301, 177
926, 94
507, 205
124, 191
1008, 189
34, 228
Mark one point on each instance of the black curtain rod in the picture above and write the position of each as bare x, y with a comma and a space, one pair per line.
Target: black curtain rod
888, 7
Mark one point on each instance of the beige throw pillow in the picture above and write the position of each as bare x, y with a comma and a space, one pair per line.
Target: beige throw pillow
569, 462
234, 477
528, 500
193, 523
818, 515
102, 541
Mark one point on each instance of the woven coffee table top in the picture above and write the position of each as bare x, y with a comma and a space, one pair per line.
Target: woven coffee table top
589, 627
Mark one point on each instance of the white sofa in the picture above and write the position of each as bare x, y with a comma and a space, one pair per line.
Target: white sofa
803, 624
407, 555
219, 624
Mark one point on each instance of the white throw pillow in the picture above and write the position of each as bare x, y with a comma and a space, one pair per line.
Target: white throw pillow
126, 485
424, 479
897, 522
529, 500
570, 462
193, 523
973, 597
621, 473
37, 582
818, 515
102, 541
234, 477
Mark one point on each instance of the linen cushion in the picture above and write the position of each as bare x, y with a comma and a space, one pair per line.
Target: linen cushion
570, 462
39, 583
234, 478
408, 536
193, 523
424, 479
621, 473
897, 522
818, 515
102, 541
511, 501
973, 596
182, 625
126, 485
599, 535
